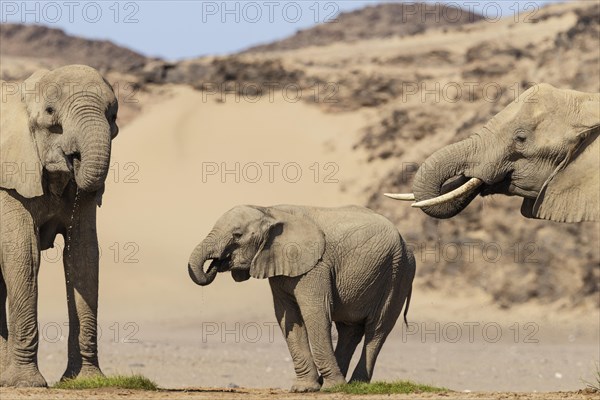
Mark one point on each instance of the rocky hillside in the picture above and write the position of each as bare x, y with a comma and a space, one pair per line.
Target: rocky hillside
41, 42
537, 259
54, 46
376, 22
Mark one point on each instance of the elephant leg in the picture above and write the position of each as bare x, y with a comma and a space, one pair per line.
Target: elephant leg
313, 296
318, 326
376, 331
20, 265
81, 273
293, 329
372, 346
349, 336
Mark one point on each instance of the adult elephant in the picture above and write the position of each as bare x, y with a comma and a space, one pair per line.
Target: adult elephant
543, 147
56, 131
348, 265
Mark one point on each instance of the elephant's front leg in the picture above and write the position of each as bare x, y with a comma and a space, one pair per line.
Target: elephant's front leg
20, 265
294, 332
313, 294
81, 273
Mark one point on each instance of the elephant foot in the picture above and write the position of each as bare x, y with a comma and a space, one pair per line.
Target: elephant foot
22, 376
79, 371
360, 376
304, 386
330, 382
360, 379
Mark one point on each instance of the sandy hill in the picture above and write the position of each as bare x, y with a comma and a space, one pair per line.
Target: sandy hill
367, 110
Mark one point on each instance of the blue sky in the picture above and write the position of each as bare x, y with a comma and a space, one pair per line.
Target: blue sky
183, 29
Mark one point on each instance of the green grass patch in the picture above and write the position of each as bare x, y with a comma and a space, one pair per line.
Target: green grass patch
385, 388
137, 382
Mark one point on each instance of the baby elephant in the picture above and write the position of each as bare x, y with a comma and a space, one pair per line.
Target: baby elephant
348, 265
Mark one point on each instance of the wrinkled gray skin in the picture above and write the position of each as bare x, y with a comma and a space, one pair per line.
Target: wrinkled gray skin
542, 147
54, 141
348, 265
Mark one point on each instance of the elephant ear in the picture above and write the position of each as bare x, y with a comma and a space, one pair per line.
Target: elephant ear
20, 164
572, 192
292, 246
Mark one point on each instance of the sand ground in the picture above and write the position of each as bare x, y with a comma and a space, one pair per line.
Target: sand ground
482, 349
258, 394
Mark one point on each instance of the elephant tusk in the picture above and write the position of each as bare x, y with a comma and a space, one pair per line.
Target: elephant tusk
468, 187
401, 196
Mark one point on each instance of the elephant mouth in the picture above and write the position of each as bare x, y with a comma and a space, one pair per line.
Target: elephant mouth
507, 187
488, 189
226, 263
484, 187
213, 264
516, 190
222, 263
61, 162
73, 161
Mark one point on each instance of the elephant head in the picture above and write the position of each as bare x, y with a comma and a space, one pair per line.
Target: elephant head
60, 121
543, 147
259, 242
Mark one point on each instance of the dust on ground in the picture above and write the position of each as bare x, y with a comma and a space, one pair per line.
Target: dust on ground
259, 394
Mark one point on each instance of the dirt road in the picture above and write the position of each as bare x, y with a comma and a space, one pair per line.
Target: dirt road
256, 394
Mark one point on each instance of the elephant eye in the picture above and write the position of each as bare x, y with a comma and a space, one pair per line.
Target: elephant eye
56, 128
520, 136
237, 235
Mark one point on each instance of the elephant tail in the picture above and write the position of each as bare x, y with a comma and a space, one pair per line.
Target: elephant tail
407, 305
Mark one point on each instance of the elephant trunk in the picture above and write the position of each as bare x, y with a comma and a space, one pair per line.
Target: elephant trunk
432, 178
93, 143
206, 250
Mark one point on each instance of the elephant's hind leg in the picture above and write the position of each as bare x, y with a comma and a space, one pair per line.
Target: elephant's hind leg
372, 346
349, 336
377, 330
